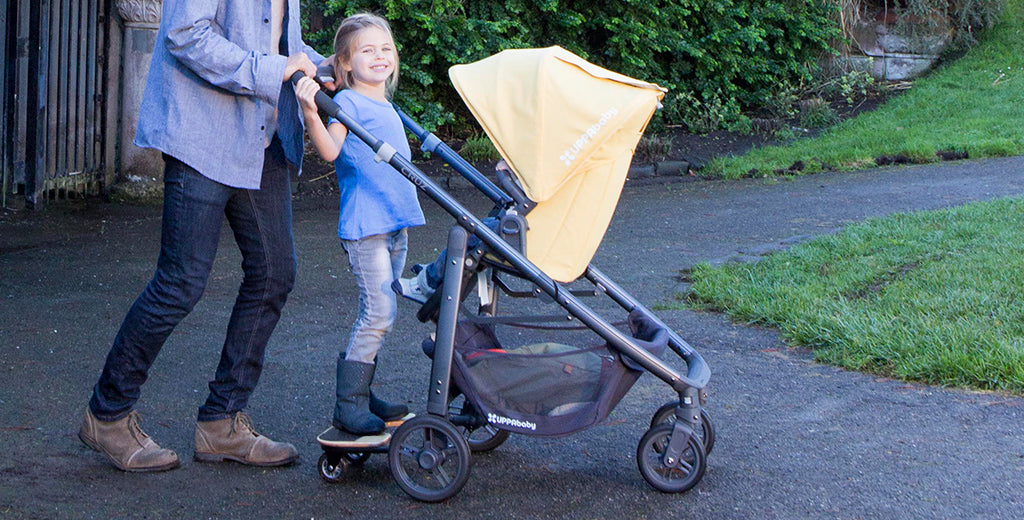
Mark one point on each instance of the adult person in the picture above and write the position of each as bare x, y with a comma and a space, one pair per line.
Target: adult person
219, 105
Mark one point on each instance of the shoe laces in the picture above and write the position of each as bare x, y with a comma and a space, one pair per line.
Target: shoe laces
242, 420
134, 421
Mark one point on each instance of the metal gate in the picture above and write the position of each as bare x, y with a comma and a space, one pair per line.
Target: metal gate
55, 130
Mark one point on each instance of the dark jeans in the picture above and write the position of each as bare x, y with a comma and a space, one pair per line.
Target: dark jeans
193, 212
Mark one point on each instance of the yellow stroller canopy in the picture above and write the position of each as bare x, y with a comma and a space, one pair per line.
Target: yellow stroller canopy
568, 129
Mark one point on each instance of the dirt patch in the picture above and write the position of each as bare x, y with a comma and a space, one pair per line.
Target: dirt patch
699, 149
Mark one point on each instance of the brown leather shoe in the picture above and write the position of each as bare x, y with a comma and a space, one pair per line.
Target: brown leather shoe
235, 439
125, 444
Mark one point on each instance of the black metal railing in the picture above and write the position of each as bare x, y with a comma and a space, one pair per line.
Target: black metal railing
55, 131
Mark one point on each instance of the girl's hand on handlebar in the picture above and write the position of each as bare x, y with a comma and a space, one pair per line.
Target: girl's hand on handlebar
306, 90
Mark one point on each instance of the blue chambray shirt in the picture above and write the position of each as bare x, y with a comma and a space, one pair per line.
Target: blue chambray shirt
211, 82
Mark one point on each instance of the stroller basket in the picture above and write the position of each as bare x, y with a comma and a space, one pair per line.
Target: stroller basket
546, 389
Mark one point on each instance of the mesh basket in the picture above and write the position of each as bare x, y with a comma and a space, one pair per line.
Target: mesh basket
546, 389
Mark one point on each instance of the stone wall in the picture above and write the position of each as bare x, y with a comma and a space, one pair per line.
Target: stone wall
140, 176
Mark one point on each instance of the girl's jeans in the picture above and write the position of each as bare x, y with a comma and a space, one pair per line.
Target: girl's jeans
376, 261
194, 209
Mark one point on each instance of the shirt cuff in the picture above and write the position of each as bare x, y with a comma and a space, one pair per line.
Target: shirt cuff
269, 76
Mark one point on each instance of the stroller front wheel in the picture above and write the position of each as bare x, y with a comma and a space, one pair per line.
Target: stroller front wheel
668, 474
667, 415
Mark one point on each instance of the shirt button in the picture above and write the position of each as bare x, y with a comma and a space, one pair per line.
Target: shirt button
266, 20
263, 128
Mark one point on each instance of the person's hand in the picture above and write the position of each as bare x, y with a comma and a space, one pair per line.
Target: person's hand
298, 62
306, 90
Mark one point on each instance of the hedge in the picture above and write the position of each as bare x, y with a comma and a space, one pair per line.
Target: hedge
712, 55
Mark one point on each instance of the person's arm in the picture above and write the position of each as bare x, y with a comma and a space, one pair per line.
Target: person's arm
326, 140
192, 40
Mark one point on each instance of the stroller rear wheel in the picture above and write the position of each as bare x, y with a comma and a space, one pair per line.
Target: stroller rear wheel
429, 458
667, 474
480, 438
667, 415
485, 438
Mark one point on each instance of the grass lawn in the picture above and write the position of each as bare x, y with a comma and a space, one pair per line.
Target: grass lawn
974, 106
936, 296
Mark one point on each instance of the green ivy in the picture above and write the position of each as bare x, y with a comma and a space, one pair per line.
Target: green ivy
728, 54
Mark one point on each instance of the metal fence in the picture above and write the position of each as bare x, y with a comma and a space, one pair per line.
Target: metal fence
55, 132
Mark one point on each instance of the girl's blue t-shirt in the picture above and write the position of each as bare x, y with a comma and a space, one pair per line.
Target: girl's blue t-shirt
375, 198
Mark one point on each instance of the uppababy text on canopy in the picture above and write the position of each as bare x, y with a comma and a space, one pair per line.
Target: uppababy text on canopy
568, 129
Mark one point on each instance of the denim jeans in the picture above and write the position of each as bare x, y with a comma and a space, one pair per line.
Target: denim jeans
193, 212
376, 261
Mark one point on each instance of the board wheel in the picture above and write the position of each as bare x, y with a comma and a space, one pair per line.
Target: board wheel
332, 467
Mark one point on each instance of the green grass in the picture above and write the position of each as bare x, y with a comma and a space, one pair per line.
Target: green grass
935, 297
974, 105
479, 148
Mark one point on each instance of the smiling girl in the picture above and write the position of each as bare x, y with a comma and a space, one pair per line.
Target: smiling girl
377, 206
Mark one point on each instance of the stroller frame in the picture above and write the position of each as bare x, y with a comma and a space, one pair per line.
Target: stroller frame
671, 455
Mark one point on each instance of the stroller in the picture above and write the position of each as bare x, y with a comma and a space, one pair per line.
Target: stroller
567, 129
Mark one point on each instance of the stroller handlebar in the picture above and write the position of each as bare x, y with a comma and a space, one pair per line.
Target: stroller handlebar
325, 103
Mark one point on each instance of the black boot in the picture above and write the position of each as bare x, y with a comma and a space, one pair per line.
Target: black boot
351, 412
383, 409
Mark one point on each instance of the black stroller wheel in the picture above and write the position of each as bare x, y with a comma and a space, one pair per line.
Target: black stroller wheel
429, 458
356, 457
331, 468
667, 415
670, 476
484, 439
481, 438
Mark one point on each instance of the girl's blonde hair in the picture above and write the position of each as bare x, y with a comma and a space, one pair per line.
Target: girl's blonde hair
344, 39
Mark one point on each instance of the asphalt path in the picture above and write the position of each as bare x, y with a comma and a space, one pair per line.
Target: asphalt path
796, 439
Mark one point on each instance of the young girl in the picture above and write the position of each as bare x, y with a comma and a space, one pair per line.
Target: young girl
377, 205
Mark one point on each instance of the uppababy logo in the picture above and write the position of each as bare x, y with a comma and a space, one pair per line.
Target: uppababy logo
569, 155
508, 421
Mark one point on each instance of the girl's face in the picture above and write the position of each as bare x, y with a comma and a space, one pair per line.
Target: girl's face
372, 59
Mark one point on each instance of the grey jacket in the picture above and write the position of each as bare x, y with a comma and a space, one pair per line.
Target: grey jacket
210, 83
